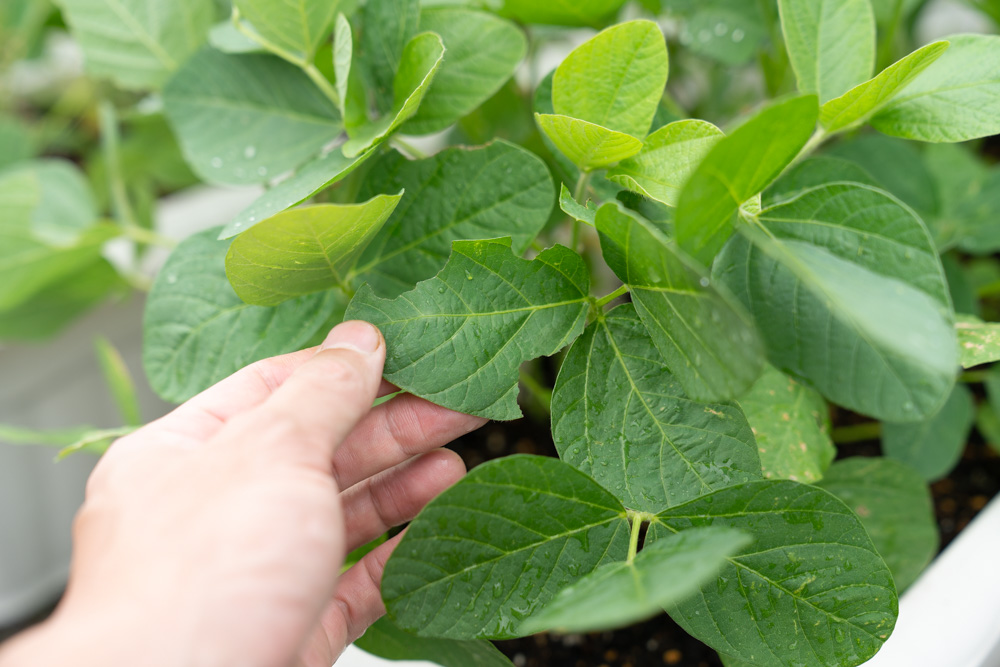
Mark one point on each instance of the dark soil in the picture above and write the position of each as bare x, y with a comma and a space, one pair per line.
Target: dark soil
660, 641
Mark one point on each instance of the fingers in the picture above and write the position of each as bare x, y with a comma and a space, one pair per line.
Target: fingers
395, 496
322, 401
394, 432
357, 602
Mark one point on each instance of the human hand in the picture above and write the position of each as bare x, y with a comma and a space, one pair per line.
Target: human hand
215, 535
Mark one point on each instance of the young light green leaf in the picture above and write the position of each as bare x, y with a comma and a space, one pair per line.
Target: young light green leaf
53, 308
136, 43
459, 338
614, 80
119, 380
811, 589
588, 146
459, 194
561, 12
955, 99
979, 341
420, 61
247, 118
704, 334
389, 25
482, 52
847, 291
933, 446
293, 26
196, 331
615, 595
574, 209
315, 176
894, 504
667, 159
70, 441
385, 640
790, 424
621, 417
304, 250
860, 103
737, 168
497, 546
814, 172
831, 44
53, 195
343, 58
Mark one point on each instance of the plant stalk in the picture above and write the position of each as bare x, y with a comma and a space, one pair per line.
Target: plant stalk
578, 194
633, 542
844, 435
605, 300
541, 393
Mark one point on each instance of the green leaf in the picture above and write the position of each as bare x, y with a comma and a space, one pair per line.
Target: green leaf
315, 176
70, 441
248, 118
196, 331
497, 546
482, 52
138, 43
385, 640
575, 209
814, 172
16, 142
56, 306
933, 446
894, 504
668, 158
53, 196
561, 12
831, 44
790, 424
955, 99
812, 590
737, 168
459, 338
621, 417
588, 146
988, 425
304, 250
859, 104
226, 37
388, 26
847, 291
459, 194
119, 380
343, 59
979, 341
897, 167
615, 595
293, 26
977, 214
703, 333
731, 33
615, 79
420, 62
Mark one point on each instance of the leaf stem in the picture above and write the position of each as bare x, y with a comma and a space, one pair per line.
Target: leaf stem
148, 237
843, 435
406, 147
578, 193
541, 393
633, 541
974, 377
605, 300
108, 119
815, 141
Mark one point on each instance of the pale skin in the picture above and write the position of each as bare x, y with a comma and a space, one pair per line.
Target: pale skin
215, 536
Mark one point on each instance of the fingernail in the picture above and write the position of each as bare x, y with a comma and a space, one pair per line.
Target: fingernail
354, 335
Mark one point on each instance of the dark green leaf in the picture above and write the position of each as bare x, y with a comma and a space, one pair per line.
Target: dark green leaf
811, 590
388, 26
459, 338
738, 168
385, 640
703, 333
304, 250
933, 446
894, 504
848, 293
247, 118
196, 331
621, 417
790, 424
489, 192
498, 545
814, 172
618, 594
